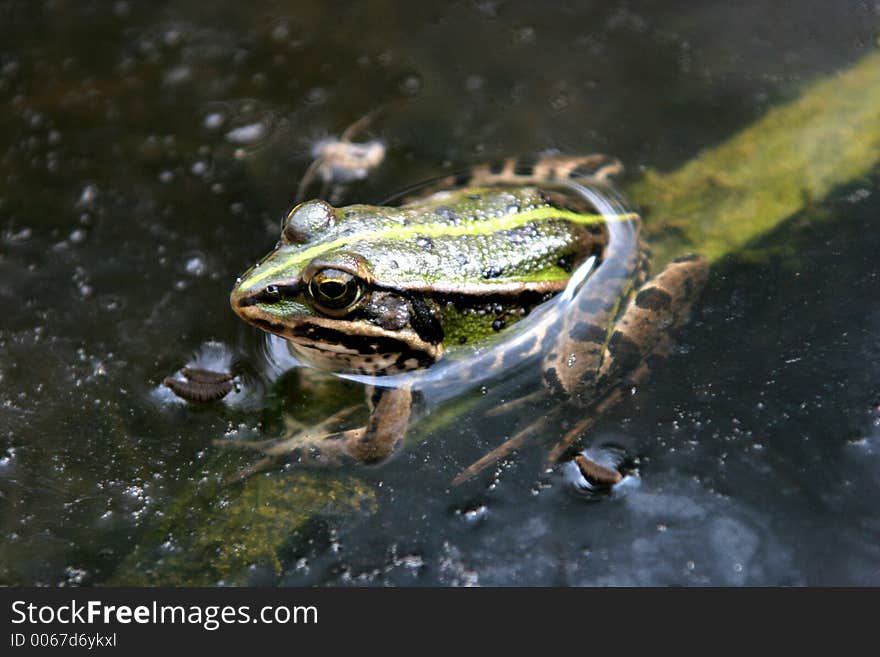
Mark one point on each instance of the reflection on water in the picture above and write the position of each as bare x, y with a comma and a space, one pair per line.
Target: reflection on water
149, 153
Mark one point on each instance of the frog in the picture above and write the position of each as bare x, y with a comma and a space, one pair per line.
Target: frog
514, 261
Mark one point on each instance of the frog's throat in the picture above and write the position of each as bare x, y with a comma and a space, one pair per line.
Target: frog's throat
354, 347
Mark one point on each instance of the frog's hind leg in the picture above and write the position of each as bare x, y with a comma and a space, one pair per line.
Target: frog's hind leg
547, 168
596, 357
518, 440
640, 338
661, 305
599, 468
595, 168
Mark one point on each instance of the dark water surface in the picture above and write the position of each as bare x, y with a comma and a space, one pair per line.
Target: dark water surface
147, 151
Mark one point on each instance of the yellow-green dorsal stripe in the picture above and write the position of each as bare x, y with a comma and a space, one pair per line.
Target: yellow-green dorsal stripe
481, 227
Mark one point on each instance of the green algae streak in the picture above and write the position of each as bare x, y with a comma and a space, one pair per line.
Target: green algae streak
791, 158
717, 203
215, 533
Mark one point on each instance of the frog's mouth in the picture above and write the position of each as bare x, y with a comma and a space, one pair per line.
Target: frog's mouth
355, 348
342, 346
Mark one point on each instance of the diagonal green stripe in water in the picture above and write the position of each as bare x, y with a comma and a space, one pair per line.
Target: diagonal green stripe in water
794, 155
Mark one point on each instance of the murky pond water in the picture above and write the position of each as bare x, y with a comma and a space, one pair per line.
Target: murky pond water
148, 152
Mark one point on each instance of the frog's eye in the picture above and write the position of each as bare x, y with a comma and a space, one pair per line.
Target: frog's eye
288, 216
335, 290
306, 222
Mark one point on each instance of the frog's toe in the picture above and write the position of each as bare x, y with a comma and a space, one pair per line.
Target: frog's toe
200, 386
597, 470
595, 474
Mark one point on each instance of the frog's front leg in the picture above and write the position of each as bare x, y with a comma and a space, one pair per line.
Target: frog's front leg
371, 443
384, 431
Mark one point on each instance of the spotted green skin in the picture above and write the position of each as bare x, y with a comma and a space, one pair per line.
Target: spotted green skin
443, 241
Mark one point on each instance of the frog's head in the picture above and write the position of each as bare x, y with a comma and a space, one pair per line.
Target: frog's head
318, 290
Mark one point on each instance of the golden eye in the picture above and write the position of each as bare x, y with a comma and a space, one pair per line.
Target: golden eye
335, 289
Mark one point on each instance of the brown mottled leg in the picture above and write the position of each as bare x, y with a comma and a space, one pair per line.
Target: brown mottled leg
640, 336
371, 443
596, 167
660, 305
386, 426
525, 434
589, 357
588, 168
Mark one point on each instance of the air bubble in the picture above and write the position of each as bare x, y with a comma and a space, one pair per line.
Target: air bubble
281, 31
246, 134
177, 75
195, 265
87, 196
474, 83
524, 34
316, 96
410, 85
214, 120
109, 303
172, 37
74, 576
559, 102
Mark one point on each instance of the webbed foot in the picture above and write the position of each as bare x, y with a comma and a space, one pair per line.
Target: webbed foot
325, 444
317, 445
